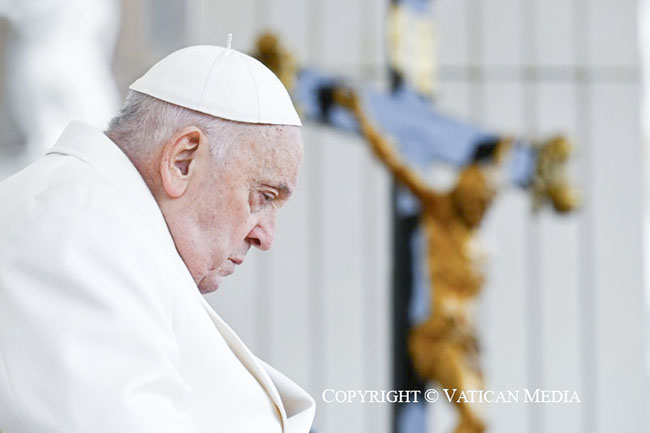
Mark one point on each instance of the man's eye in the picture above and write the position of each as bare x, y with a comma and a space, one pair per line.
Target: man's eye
268, 197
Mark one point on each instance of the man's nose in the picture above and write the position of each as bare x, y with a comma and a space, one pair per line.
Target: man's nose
263, 234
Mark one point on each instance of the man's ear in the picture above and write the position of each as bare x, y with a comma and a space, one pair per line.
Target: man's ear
179, 159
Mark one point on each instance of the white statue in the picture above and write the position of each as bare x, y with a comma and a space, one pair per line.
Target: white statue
57, 68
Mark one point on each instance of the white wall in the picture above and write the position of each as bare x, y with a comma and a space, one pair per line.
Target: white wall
563, 308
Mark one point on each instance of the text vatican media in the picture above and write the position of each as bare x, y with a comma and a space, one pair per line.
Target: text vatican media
451, 395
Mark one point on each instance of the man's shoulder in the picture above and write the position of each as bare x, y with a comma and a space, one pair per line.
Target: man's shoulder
63, 206
62, 220
55, 176
63, 186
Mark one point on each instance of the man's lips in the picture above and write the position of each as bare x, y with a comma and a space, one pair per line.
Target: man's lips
228, 271
211, 281
230, 265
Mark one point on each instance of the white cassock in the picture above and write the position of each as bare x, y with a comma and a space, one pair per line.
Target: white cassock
102, 328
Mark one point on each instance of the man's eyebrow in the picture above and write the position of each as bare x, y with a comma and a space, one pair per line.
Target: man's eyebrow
282, 187
285, 189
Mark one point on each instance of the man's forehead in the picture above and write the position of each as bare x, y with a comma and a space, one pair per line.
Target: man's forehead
275, 135
270, 158
279, 147
281, 135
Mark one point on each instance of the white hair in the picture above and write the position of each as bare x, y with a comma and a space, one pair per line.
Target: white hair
145, 123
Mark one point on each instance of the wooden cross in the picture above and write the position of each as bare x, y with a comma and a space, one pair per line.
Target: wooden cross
442, 348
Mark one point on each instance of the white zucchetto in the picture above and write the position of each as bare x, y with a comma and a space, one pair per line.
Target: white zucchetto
221, 82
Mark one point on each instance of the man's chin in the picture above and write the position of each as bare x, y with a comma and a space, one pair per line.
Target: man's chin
209, 283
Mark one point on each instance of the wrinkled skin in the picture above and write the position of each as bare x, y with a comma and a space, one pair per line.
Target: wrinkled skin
216, 211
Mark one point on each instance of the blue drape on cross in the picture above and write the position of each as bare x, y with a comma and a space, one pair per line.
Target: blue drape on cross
423, 136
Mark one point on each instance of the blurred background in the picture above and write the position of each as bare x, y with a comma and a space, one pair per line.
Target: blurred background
564, 304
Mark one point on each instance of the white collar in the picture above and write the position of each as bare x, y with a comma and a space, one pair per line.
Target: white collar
92, 146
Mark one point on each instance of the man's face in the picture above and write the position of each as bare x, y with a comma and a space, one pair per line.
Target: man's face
235, 204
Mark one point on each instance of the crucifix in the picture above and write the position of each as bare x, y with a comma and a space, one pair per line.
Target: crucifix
434, 314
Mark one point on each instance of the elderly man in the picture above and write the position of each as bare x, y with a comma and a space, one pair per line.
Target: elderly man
104, 242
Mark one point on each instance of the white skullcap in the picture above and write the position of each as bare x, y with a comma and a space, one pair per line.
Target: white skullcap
221, 82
